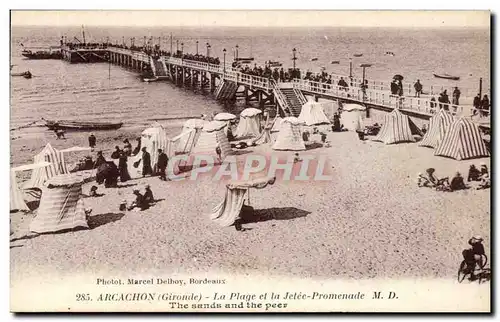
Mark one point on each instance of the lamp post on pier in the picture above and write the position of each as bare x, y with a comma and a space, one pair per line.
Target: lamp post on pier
237, 52
363, 85
350, 68
177, 46
294, 58
208, 49
224, 51
197, 47
182, 49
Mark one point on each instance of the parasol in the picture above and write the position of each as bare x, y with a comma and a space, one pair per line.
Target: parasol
224, 117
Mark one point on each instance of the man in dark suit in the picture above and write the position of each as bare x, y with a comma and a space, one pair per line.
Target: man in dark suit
162, 164
146, 163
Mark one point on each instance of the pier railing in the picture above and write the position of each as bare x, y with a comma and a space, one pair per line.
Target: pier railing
381, 98
229, 73
137, 55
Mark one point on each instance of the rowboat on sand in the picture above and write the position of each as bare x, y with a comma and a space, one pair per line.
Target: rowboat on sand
81, 125
447, 76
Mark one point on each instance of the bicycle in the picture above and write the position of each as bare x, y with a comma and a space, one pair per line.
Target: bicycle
463, 270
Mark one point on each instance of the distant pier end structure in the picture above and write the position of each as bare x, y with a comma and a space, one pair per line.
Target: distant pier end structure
85, 53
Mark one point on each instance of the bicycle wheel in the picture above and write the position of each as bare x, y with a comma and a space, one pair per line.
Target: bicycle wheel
461, 271
485, 260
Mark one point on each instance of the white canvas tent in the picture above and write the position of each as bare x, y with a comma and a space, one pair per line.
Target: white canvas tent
61, 207
352, 117
312, 114
184, 142
249, 125
16, 195
57, 166
290, 135
152, 138
276, 125
212, 135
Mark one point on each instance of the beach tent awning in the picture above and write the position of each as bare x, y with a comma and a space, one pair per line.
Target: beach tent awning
76, 149
250, 112
353, 107
194, 124
31, 166
257, 183
224, 117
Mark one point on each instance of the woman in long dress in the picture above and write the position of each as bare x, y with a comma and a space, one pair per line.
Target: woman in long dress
122, 167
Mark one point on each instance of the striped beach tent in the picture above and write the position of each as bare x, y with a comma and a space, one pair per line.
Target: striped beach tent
462, 141
184, 142
57, 166
17, 202
397, 128
212, 135
438, 125
61, 207
290, 135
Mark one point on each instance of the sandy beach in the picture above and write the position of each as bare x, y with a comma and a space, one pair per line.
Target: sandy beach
370, 221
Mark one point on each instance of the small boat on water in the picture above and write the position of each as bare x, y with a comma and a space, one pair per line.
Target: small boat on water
26, 74
81, 125
447, 76
358, 55
274, 63
42, 54
244, 60
335, 62
389, 53
314, 59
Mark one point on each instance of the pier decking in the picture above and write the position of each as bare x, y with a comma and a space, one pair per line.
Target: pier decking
226, 83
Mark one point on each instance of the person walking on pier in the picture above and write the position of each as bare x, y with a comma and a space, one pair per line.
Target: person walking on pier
92, 141
456, 96
476, 104
418, 88
282, 75
485, 105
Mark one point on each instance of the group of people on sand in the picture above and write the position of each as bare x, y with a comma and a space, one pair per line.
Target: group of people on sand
141, 201
431, 180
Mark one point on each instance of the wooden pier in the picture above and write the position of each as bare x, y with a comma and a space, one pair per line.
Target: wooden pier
227, 84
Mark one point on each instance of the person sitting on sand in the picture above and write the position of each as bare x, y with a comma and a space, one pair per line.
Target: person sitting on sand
474, 174
296, 158
93, 191
484, 169
457, 183
434, 181
139, 201
305, 136
148, 195
484, 178
323, 137
218, 151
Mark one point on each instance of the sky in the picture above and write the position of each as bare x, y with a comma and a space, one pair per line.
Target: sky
254, 18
